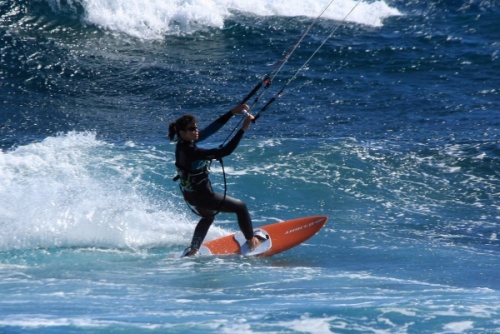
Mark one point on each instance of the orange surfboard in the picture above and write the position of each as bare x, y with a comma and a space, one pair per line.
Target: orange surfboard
279, 237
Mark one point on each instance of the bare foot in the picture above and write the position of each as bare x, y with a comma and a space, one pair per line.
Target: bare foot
253, 243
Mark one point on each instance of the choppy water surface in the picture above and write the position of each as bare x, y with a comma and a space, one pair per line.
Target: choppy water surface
392, 130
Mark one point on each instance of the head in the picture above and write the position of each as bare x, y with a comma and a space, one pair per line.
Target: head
184, 128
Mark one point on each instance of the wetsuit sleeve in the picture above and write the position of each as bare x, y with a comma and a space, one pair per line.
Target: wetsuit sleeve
217, 153
214, 126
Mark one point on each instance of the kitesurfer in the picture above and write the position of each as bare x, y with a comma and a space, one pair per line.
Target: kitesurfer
192, 164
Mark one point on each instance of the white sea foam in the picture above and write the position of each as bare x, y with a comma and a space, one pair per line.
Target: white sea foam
74, 190
459, 327
156, 18
35, 321
307, 324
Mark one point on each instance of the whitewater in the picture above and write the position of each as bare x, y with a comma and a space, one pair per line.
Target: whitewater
155, 19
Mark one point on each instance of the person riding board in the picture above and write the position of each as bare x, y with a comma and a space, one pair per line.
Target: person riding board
192, 164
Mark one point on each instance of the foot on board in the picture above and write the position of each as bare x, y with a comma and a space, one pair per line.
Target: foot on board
189, 252
257, 239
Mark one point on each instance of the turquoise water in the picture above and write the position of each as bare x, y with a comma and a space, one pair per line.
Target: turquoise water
392, 131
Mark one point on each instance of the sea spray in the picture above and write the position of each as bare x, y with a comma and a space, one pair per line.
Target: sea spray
157, 18
74, 190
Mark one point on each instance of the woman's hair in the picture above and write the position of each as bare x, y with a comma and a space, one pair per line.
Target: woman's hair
180, 124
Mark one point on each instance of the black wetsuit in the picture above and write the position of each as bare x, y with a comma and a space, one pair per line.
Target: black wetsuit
192, 164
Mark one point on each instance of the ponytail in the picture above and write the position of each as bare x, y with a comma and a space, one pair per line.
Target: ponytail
172, 131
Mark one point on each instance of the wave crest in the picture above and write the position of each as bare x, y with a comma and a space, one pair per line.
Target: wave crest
156, 18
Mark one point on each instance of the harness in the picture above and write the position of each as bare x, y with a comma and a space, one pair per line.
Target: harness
190, 180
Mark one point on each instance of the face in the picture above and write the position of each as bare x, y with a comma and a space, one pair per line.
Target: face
190, 133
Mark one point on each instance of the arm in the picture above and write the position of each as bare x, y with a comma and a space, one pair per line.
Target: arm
217, 153
221, 121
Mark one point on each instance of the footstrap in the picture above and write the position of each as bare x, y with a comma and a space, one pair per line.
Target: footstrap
262, 248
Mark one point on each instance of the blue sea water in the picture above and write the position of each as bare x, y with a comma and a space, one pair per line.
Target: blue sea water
392, 130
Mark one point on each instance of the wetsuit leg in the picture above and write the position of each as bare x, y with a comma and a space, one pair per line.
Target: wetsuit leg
207, 206
239, 207
201, 230
207, 203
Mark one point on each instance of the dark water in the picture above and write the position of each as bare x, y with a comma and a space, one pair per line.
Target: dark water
392, 130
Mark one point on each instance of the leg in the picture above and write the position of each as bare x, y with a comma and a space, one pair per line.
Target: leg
198, 200
244, 221
207, 203
200, 232
233, 205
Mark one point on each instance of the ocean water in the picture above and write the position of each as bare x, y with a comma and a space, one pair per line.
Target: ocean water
392, 130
